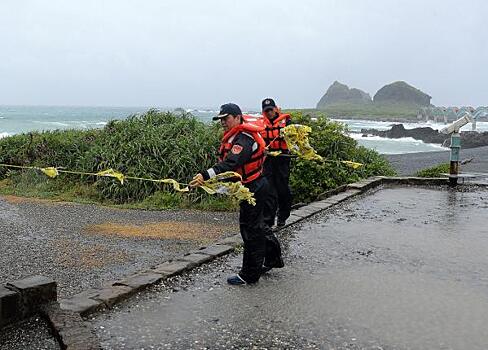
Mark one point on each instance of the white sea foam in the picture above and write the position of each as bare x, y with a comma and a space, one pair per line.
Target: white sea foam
395, 146
4, 134
357, 136
51, 123
358, 124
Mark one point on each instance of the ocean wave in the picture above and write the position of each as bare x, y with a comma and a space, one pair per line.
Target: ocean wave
409, 140
85, 122
357, 136
206, 111
4, 134
50, 123
358, 124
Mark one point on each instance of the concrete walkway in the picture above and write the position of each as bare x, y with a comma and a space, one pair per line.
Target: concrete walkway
403, 268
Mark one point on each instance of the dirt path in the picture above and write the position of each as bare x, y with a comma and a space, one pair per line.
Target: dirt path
81, 246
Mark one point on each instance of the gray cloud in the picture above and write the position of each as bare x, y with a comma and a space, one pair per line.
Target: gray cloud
203, 53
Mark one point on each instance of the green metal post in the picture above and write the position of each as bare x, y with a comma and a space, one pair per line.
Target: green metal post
454, 165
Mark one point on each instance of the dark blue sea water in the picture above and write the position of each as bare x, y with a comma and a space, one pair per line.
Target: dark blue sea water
19, 119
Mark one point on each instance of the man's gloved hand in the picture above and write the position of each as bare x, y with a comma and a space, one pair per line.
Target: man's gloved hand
197, 181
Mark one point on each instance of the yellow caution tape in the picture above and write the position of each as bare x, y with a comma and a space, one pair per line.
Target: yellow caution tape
112, 173
176, 185
50, 171
233, 189
296, 137
353, 165
274, 153
212, 186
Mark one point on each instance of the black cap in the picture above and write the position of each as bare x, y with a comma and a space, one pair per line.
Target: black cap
268, 103
228, 109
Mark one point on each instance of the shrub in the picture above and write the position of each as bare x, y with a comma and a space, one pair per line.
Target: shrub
435, 171
154, 145
309, 179
164, 145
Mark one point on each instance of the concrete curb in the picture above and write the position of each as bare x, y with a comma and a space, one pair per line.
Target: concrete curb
69, 328
416, 181
23, 298
114, 292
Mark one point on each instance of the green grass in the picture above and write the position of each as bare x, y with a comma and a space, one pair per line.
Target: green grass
389, 112
435, 171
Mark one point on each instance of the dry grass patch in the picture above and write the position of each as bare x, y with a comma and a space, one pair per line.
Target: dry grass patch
75, 254
18, 200
162, 230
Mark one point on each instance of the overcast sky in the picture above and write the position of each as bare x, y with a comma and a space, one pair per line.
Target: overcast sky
204, 53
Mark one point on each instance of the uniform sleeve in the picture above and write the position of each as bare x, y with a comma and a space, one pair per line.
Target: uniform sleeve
240, 154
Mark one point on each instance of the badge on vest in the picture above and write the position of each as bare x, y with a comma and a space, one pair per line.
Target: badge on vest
236, 149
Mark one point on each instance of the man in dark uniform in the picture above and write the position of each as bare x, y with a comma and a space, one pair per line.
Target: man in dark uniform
242, 151
276, 169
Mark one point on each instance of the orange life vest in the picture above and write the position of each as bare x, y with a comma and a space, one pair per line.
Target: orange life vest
252, 126
271, 134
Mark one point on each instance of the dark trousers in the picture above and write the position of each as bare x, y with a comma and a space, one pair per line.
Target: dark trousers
260, 243
278, 203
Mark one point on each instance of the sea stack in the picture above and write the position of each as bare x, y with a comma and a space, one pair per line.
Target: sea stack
402, 93
339, 93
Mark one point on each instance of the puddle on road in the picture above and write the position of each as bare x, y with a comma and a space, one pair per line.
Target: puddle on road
161, 230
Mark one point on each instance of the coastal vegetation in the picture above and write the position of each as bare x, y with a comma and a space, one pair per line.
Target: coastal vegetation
435, 171
395, 112
161, 145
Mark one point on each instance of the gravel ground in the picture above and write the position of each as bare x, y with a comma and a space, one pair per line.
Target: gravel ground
81, 246
397, 268
410, 163
33, 334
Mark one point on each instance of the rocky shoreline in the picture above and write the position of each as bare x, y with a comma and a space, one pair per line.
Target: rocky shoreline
469, 139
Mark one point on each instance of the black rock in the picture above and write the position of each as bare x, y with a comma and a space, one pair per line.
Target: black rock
469, 139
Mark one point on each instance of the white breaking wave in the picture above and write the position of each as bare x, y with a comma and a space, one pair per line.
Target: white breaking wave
4, 134
84, 124
358, 124
379, 138
50, 123
395, 146
206, 111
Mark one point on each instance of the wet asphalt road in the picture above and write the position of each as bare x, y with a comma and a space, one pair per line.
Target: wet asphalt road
401, 268
62, 240
32, 334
